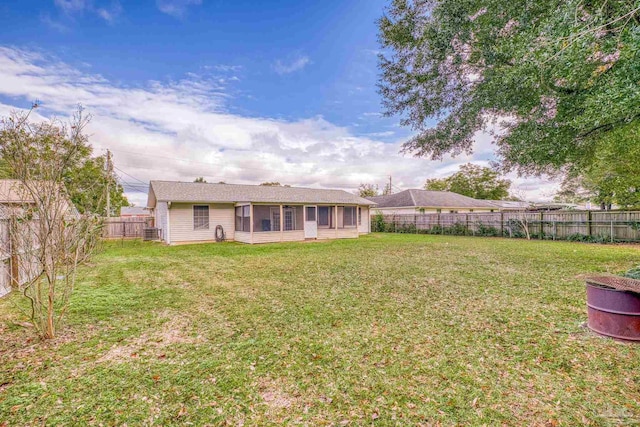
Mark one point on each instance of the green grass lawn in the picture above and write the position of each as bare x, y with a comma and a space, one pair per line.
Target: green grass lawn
383, 330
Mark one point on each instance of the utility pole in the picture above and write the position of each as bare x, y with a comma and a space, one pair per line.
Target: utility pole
390, 185
109, 170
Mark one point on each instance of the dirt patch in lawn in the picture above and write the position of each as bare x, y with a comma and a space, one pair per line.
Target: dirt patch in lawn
274, 395
172, 331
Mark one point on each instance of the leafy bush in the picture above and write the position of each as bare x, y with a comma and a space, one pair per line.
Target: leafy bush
407, 228
578, 237
377, 223
634, 273
487, 230
457, 229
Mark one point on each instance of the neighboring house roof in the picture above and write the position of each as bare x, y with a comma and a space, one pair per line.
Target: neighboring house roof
172, 191
12, 192
134, 210
512, 204
429, 199
532, 206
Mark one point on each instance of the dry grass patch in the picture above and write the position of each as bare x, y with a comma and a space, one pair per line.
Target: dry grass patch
174, 328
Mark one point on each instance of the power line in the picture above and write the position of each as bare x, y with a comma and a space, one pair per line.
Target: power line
131, 176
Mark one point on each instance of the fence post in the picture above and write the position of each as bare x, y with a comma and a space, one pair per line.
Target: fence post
589, 223
501, 224
13, 248
466, 224
541, 236
610, 216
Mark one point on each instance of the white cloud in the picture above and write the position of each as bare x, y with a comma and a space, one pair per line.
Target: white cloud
111, 13
291, 66
176, 8
74, 7
382, 134
225, 68
53, 24
179, 130
71, 6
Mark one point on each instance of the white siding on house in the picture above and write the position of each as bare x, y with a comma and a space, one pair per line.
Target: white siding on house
291, 236
181, 219
161, 217
277, 236
416, 211
242, 236
177, 225
340, 233
365, 225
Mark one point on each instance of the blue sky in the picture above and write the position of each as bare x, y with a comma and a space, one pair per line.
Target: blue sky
241, 91
288, 59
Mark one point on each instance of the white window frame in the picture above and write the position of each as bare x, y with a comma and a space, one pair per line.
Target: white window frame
201, 226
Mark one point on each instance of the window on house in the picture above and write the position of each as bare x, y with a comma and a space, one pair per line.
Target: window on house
325, 216
421, 211
349, 216
311, 213
243, 220
201, 217
452, 211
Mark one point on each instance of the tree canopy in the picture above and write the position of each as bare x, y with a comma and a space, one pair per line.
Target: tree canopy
613, 177
367, 190
558, 76
200, 180
473, 181
85, 177
273, 184
86, 184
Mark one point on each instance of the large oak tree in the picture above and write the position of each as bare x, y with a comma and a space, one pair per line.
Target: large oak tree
473, 181
560, 76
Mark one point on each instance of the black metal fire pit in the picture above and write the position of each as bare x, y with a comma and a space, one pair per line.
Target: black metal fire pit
613, 306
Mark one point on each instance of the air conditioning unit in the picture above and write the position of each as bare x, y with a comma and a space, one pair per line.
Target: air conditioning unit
151, 234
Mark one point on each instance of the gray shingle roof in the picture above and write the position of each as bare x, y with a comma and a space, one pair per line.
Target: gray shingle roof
231, 193
429, 199
134, 210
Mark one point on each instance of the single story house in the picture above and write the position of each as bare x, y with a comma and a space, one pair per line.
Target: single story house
414, 201
195, 212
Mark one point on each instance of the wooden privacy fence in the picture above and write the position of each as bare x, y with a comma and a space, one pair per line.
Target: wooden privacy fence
12, 249
15, 274
5, 257
125, 227
588, 226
